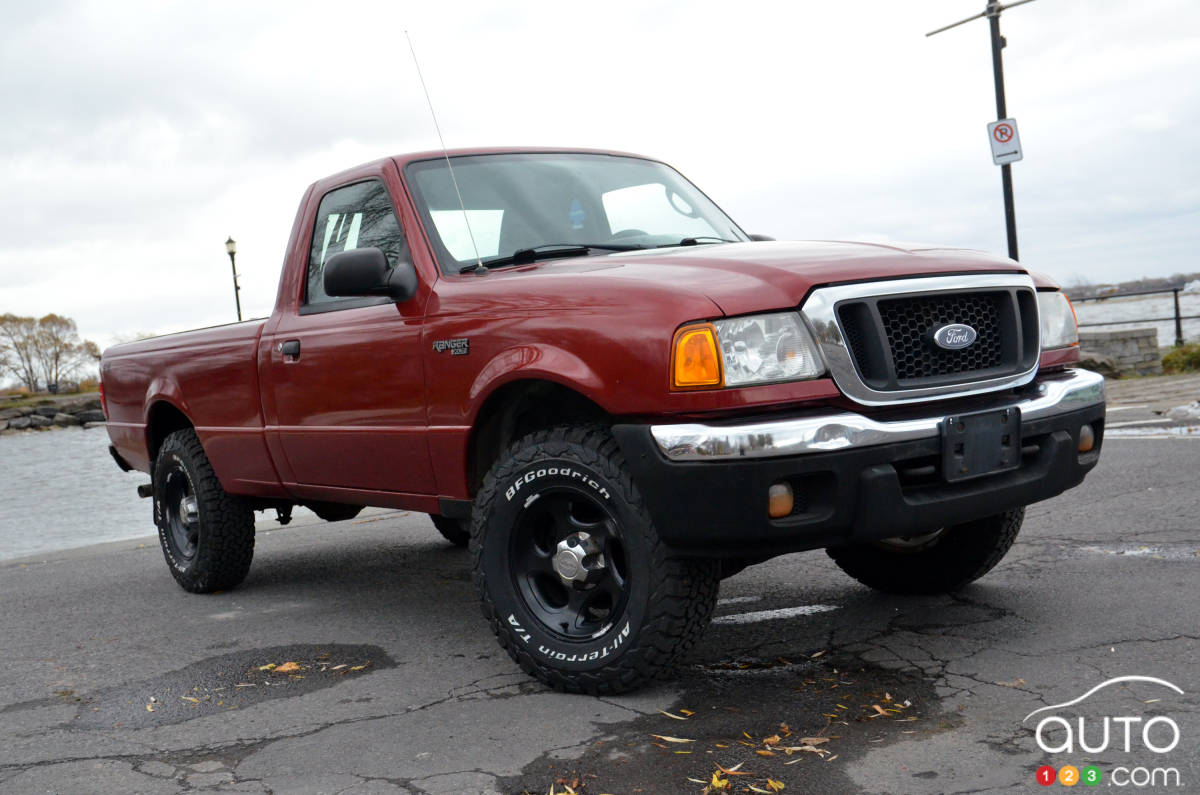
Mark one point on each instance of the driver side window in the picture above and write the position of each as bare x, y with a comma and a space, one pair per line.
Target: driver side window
356, 216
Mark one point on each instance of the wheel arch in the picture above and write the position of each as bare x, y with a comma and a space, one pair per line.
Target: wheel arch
518, 408
162, 419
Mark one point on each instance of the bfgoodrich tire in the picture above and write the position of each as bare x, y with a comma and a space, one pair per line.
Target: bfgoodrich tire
207, 535
456, 531
940, 561
572, 575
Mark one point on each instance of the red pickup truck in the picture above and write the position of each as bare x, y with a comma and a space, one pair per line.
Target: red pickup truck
580, 367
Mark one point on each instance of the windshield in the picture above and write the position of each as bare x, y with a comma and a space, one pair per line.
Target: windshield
517, 202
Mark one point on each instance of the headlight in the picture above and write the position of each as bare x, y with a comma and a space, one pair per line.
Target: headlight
759, 349
1058, 327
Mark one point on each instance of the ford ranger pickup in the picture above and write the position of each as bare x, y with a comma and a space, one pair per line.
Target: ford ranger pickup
587, 373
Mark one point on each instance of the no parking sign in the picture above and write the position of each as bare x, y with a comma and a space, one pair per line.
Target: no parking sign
1006, 144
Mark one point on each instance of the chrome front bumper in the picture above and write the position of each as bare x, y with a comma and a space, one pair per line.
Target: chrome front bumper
824, 433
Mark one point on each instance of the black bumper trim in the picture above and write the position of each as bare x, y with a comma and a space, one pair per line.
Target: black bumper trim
719, 508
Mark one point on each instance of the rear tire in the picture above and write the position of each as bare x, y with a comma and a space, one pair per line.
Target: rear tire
570, 570
456, 531
940, 561
207, 534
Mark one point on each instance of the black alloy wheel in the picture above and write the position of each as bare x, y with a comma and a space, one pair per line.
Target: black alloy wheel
568, 563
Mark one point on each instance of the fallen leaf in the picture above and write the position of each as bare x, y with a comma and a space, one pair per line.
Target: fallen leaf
761, 752
1013, 683
360, 667
818, 654
666, 739
753, 788
879, 711
189, 698
267, 667
814, 740
776, 786
669, 715
717, 784
736, 770
338, 667
772, 740
149, 707
287, 668
687, 712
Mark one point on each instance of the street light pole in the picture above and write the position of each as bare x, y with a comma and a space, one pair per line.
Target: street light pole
231, 249
992, 12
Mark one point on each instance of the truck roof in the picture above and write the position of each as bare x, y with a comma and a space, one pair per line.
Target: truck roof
402, 160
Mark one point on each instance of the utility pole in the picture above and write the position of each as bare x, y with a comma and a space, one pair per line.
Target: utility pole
992, 12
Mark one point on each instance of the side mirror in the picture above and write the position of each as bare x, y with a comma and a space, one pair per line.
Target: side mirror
365, 271
761, 238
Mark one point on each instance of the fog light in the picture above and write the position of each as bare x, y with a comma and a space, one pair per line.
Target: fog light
1087, 438
780, 500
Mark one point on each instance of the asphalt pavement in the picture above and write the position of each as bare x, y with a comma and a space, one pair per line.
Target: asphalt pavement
354, 660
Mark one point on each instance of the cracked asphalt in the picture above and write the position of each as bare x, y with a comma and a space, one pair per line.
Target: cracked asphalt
115, 680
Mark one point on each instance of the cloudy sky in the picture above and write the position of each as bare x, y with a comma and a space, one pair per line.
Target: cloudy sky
139, 135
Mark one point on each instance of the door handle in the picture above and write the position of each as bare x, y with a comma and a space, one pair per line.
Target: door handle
290, 349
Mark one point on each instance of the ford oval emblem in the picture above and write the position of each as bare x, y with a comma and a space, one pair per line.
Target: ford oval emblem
955, 336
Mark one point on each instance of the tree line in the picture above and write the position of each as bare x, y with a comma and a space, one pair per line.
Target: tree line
44, 350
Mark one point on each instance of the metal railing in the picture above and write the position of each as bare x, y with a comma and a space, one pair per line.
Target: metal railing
1178, 318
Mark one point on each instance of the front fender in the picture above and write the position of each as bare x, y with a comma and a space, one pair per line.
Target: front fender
534, 362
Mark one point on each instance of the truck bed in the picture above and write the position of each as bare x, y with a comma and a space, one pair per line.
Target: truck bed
211, 375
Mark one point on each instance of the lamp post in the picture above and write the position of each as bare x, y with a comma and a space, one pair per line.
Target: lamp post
231, 249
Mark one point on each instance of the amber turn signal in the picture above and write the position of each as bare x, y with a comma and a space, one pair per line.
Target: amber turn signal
695, 361
780, 500
1087, 439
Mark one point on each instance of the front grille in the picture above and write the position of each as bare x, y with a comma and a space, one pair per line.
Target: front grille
890, 338
909, 323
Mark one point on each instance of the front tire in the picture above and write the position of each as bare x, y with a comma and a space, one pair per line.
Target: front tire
940, 561
207, 534
570, 570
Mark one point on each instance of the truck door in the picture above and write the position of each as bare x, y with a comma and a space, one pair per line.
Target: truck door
346, 376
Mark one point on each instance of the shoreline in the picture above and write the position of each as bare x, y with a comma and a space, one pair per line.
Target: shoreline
68, 411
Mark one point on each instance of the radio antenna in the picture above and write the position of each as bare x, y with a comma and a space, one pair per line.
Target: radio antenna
480, 268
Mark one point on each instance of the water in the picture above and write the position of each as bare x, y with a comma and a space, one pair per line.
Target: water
61, 489
1115, 309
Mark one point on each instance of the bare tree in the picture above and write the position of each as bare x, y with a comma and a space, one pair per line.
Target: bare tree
18, 336
43, 350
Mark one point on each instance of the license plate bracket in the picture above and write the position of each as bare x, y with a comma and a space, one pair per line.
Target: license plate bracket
980, 443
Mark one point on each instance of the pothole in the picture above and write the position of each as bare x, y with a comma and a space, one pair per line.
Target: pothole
229, 682
790, 719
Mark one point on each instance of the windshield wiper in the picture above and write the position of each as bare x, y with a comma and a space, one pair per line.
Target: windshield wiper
526, 256
698, 239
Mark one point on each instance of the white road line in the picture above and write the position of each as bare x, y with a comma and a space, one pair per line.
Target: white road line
769, 615
738, 600
1127, 408
1158, 421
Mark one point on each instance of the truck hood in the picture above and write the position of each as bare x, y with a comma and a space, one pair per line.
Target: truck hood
753, 277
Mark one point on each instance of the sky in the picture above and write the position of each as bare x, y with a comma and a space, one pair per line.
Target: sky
138, 136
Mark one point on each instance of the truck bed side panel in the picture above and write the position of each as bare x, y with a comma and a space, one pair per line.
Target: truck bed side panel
211, 377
